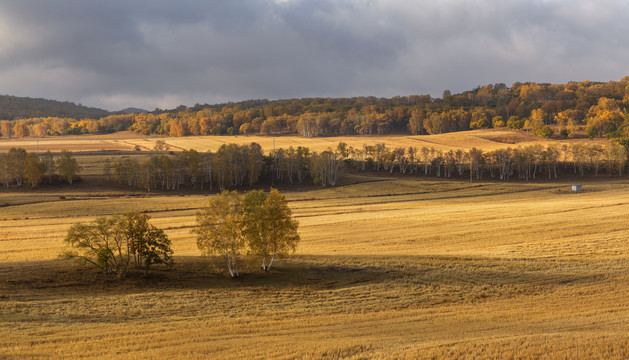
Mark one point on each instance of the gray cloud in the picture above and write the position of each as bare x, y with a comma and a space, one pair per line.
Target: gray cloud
157, 53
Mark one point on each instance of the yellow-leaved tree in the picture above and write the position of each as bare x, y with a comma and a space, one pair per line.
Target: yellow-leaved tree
605, 117
269, 228
219, 229
536, 120
67, 166
259, 223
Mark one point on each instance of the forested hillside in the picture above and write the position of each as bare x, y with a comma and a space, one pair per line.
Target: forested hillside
13, 107
595, 109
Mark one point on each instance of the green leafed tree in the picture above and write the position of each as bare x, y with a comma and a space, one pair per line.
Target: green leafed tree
269, 229
148, 245
101, 245
219, 229
112, 243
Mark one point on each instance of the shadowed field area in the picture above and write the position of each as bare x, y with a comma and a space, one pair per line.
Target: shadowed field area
387, 268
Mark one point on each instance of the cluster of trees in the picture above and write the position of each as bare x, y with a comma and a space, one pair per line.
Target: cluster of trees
524, 162
234, 166
601, 108
293, 165
229, 167
20, 167
51, 126
115, 243
258, 224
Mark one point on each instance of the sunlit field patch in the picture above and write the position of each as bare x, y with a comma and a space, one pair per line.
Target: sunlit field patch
390, 267
486, 140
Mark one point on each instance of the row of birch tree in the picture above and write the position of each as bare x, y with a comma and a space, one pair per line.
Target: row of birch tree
231, 166
21, 167
525, 163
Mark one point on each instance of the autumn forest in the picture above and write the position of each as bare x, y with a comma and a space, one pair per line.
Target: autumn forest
564, 110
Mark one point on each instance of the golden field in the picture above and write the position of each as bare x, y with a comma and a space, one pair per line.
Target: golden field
387, 268
487, 139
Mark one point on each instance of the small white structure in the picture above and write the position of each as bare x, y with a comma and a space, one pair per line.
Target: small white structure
577, 188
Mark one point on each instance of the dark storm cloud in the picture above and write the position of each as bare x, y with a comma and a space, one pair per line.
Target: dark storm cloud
152, 53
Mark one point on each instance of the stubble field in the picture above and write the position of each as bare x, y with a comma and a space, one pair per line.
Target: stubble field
391, 268
486, 139
388, 267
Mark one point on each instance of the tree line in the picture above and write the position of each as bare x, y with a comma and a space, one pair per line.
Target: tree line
20, 167
599, 108
258, 224
524, 163
55, 126
236, 166
231, 166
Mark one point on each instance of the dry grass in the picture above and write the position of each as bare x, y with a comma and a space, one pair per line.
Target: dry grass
488, 139
391, 268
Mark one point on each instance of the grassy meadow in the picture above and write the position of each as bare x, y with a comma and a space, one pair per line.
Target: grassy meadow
388, 267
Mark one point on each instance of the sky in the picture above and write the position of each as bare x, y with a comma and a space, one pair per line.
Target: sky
160, 53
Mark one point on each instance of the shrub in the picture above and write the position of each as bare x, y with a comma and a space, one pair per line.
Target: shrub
546, 132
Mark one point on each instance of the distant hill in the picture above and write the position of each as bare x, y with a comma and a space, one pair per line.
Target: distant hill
13, 107
132, 110
595, 109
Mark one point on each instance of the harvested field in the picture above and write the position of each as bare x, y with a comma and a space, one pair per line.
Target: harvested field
387, 268
488, 139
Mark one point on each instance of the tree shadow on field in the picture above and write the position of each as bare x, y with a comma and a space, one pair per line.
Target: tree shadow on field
188, 273
61, 277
